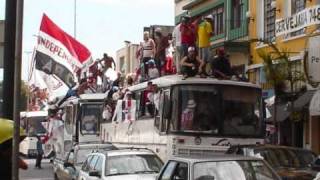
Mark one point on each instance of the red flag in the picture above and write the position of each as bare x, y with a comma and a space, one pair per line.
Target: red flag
59, 57
76, 49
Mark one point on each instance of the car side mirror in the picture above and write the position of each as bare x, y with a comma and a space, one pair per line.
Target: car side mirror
95, 174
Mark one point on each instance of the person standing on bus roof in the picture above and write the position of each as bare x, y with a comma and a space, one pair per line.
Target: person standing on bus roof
148, 51
191, 64
39, 153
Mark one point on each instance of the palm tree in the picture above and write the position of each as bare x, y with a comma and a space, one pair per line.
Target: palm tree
279, 72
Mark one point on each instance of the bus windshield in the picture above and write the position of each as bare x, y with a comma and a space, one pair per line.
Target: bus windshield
35, 126
90, 118
217, 109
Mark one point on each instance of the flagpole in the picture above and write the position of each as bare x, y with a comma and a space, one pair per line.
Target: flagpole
75, 20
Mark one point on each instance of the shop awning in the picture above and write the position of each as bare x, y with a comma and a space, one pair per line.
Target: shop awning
283, 112
314, 107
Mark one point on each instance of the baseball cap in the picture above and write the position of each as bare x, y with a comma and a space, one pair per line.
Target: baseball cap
191, 49
209, 16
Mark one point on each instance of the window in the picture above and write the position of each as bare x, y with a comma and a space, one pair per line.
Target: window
168, 171
91, 116
175, 170
93, 163
240, 170
218, 20
98, 166
85, 166
217, 109
236, 17
163, 114
269, 21
68, 119
133, 164
297, 6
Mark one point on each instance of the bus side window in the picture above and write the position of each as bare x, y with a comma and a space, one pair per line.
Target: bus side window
166, 111
161, 118
139, 104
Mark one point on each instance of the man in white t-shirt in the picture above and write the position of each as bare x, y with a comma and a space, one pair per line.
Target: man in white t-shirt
148, 51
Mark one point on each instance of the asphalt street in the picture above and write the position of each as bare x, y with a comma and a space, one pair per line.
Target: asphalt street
46, 173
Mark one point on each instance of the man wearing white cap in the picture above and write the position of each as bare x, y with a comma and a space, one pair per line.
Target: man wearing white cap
191, 64
204, 34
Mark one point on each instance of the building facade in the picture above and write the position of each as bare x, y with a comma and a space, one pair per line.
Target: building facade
126, 61
230, 26
244, 28
288, 24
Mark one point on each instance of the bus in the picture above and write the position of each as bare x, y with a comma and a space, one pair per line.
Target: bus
34, 123
196, 116
81, 119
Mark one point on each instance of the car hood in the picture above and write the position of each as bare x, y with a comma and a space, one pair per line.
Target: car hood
294, 173
132, 177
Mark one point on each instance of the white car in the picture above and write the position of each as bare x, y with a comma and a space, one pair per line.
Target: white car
124, 164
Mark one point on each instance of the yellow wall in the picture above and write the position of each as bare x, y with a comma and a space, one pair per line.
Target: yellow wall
296, 45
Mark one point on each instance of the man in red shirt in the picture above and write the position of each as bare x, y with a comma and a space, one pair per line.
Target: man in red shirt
188, 34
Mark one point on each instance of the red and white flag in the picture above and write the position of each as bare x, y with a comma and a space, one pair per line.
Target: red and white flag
58, 57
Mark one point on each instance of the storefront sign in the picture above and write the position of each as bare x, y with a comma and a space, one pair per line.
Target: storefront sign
314, 59
304, 18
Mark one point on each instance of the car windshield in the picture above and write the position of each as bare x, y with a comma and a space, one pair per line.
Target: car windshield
282, 157
133, 164
217, 109
230, 170
82, 155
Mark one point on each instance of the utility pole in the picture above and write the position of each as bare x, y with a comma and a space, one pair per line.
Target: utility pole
17, 88
75, 20
8, 60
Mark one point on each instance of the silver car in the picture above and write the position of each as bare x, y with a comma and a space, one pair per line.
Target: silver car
219, 167
124, 164
68, 168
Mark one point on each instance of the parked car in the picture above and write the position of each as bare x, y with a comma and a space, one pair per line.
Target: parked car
217, 167
124, 164
289, 162
68, 168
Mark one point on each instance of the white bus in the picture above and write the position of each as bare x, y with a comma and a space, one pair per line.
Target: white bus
195, 116
34, 123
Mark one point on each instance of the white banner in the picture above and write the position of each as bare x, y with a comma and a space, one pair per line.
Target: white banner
302, 19
314, 59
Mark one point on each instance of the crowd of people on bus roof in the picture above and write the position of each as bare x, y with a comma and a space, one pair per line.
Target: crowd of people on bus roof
186, 51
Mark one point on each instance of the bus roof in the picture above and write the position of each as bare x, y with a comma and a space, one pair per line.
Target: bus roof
167, 81
33, 113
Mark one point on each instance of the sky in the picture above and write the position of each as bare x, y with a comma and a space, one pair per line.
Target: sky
102, 25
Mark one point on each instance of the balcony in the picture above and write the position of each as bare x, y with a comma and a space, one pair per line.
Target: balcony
234, 34
237, 30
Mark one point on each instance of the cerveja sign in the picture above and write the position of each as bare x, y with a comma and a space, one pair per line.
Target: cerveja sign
314, 59
302, 19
